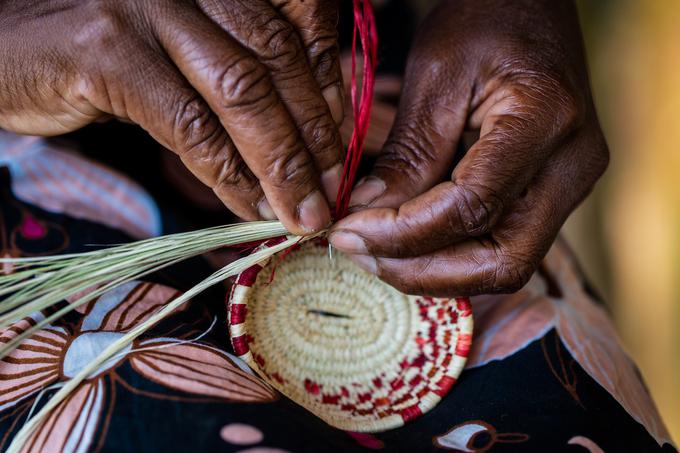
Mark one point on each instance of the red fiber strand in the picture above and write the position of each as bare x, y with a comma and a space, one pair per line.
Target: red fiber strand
365, 29
283, 256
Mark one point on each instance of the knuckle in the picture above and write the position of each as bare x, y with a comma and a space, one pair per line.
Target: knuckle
87, 88
510, 274
406, 144
234, 173
325, 69
322, 35
244, 83
323, 53
549, 99
195, 128
570, 112
277, 41
405, 151
437, 60
320, 133
290, 171
475, 211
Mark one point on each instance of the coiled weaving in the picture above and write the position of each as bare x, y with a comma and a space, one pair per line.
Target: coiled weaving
351, 349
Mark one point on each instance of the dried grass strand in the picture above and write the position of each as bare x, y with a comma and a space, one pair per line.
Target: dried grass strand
230, 270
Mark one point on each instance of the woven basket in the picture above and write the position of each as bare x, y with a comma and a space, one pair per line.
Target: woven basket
338, 341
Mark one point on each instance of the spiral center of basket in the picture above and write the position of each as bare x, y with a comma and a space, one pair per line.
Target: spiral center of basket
328, 319
328, 314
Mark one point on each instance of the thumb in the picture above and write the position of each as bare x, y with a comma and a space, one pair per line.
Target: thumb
420, 148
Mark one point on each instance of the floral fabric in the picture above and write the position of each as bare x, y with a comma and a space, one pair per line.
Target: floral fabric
546, 372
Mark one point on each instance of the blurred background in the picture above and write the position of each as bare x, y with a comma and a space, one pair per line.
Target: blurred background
627, 234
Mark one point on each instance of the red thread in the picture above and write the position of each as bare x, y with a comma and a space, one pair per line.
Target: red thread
444, 385
365, 29
240, 345
248, 247
31, 228
238, 314
283, 256
312, 387
410, 413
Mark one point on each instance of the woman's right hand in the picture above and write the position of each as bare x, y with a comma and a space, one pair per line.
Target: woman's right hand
247, 92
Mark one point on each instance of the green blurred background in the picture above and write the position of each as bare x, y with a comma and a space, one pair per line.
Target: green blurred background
627, 234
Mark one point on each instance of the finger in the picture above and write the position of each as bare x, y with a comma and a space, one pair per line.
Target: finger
258, 27
238, 89
420, 148
521, 123
519, 135
162, 102
521, 126
503, 261
317, 24
426, 223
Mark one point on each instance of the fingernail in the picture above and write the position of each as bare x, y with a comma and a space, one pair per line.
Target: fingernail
367, 191
313, 213
330, 179
366, 262
348, 242
265, 210
333, 97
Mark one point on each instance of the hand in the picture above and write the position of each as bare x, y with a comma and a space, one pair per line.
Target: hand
514, 71
247, 92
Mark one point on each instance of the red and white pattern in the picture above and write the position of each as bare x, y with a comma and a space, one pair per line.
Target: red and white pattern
376, 375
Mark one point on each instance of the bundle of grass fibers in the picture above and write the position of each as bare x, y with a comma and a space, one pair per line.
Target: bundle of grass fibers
41, 283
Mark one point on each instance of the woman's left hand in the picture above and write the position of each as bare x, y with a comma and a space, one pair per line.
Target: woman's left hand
514, 71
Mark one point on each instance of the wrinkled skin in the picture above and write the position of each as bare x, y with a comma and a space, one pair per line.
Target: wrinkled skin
247, 92
514, 70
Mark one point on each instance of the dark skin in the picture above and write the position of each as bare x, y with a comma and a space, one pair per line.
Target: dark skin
515, 71
246, 92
